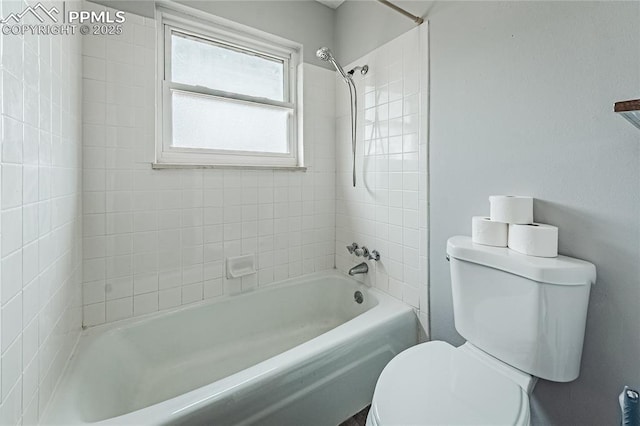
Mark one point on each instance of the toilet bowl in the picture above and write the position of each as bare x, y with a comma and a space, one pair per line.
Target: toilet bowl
435, 383
522, 317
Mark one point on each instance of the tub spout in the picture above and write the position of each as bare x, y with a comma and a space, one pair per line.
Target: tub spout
361, 268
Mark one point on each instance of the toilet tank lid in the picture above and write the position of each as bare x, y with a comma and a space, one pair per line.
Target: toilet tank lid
561, 270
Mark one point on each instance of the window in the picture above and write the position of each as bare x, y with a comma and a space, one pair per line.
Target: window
228, 96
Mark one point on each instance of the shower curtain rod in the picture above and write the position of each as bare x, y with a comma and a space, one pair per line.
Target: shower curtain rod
418, 20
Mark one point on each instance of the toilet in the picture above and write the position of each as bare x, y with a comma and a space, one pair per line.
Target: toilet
522, 317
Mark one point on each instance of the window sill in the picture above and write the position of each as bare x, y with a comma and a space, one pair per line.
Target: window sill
160, 166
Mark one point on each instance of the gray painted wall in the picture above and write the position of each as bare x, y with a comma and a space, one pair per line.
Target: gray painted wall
363, 25
521, 102
304, 21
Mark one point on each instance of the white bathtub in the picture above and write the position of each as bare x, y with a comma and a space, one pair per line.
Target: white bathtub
302, 352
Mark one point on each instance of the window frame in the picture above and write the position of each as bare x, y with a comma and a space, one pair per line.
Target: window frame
221, 32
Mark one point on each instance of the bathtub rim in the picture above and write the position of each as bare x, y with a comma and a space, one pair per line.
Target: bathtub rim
385, 308
89, 331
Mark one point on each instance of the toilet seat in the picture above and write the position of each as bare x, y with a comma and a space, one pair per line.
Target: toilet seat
435, 383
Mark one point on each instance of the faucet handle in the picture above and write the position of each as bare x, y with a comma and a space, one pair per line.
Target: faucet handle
352, 247
374, 255
363, 251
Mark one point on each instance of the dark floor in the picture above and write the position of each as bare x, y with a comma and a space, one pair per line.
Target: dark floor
358, 419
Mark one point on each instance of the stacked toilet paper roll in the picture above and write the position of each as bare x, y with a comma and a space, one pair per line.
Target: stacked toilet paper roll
487, 232
510, 224
536, 239
511, 209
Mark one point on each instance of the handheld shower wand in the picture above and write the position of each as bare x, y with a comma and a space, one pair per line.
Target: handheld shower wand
325, 54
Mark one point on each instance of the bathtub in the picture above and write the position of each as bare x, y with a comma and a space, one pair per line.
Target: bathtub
302, 352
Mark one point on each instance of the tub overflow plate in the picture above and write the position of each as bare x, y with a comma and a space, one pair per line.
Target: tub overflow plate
358, 297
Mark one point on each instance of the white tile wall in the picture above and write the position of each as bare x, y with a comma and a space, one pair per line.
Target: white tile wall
387, 210
156, 239
40, 215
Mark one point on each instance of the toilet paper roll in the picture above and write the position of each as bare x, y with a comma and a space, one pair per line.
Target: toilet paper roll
487, 232
511, 209
537, 239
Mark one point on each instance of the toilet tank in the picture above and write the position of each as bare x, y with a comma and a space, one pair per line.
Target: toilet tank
529, 312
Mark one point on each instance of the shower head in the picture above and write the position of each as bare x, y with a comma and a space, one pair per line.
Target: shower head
325, 54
